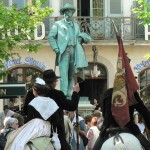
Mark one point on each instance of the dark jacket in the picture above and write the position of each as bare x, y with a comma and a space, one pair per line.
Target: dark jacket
64, 104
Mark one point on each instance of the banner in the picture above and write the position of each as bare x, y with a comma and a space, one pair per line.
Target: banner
125, 86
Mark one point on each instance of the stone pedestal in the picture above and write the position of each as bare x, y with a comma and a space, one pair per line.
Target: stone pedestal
84, 107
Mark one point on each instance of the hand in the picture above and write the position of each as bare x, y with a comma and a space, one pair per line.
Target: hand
76, 88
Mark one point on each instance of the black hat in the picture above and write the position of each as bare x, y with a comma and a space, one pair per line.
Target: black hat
66, 7
49, 76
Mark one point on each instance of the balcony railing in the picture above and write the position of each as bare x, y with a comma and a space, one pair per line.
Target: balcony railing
101, 28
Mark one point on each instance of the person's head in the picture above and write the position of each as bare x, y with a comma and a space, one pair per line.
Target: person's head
10, 123
5, 109
95, 101
94, 121
88, 120
68, 10
40, 88
19, 118
97, 114
50, 78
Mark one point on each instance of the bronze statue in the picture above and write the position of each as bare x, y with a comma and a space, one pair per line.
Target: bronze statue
65, 39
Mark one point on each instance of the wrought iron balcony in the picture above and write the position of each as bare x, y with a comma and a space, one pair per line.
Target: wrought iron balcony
101, 28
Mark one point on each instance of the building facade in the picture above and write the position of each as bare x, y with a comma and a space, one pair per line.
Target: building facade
96, 19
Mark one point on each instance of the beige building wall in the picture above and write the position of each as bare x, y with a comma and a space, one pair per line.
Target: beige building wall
107, 55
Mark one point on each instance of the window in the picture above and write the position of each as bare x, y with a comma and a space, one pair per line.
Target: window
144, 80
23, 74
115, 7
82, 9
98, 8
63, 2
6, 2
20, 3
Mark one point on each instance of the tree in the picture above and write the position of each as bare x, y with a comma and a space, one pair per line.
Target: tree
24, 22
143, 13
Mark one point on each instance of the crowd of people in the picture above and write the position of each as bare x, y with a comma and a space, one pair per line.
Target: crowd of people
60, 116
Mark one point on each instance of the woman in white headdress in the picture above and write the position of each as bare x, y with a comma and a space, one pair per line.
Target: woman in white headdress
40, 111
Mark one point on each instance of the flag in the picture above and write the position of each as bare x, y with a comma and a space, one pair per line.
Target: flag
125, 86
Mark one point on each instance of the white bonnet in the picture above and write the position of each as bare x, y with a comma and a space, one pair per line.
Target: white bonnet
39, 81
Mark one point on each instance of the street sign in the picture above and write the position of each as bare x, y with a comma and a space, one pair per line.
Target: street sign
12, 89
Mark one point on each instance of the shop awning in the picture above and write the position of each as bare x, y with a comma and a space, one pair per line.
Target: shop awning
10, 90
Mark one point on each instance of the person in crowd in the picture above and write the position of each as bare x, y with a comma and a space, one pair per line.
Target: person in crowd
68, 127
100, 119
97, 105
109, 120
10, 124
65, 40
6, 113
40, 112
58, 96
92, 134
141, 125
88, 119
136, 117
19, 118
81, 129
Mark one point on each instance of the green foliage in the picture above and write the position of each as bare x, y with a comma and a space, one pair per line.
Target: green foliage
142, 11
42, 1
12, 20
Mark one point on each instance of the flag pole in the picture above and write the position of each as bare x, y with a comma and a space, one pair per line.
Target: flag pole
77, 119
115, 28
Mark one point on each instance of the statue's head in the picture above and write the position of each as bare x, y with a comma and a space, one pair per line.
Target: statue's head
68, 10
67, 7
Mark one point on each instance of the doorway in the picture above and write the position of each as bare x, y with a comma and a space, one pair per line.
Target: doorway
83, 9
94, 87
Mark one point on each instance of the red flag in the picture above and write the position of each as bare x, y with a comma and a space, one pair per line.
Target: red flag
124, 87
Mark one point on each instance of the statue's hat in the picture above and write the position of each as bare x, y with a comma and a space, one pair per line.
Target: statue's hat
67, 6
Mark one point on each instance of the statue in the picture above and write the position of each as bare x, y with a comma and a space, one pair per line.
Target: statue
65, 40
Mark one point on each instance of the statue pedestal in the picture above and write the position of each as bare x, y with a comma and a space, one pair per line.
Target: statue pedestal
84, 107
